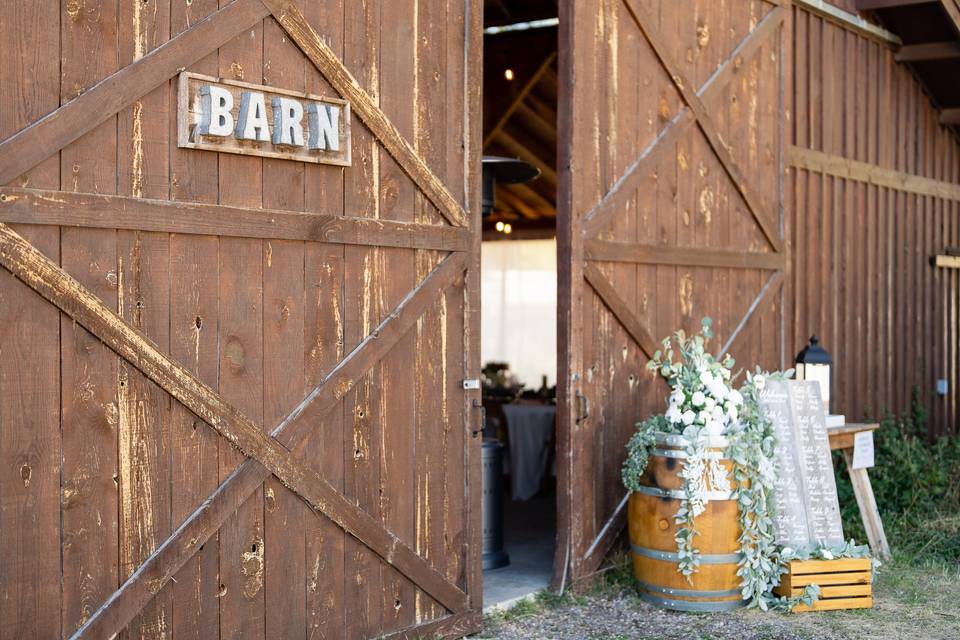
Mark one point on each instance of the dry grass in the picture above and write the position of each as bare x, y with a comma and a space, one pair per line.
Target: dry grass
916, 602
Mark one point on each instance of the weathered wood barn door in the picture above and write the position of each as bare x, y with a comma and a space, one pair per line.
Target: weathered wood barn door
669, 211
232, 397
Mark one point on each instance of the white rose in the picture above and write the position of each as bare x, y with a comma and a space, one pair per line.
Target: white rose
714, 427
673, 414
688, 417
759, 381
698, 399
717, 413
732, 413
709, 403
725, 373
718, 390
706, 378
676, 398
735, 397
702, 417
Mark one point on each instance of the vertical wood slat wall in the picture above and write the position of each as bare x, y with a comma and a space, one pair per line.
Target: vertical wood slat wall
861, 276
97, 460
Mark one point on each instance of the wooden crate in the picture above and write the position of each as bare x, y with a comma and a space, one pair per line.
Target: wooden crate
844, 583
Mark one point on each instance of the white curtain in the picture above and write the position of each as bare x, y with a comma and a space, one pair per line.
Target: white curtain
519, 308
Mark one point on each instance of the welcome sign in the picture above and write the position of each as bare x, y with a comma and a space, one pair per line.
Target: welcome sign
249, 119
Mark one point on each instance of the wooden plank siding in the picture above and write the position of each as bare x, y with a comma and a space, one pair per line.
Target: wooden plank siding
339, 302
872, 195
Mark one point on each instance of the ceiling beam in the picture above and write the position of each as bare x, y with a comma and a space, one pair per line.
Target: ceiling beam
511, 144
536, 123
533, 198
928, 51
950, 116
531, 83
516, 203
873, 5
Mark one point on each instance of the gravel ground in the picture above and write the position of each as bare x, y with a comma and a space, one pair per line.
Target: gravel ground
910, 603
623, 616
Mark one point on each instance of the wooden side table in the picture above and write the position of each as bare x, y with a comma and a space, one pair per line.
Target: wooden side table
842, 438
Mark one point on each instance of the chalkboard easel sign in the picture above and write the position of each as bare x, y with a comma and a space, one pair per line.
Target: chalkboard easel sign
808, 510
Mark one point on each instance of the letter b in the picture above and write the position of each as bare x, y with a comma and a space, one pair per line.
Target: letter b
215, 106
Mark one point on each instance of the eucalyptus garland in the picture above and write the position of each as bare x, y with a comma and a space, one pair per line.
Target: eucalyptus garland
752, 449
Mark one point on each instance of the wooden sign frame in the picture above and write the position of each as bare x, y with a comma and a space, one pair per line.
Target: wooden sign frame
186, 125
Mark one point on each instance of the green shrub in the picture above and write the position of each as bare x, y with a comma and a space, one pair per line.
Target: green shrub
917, 486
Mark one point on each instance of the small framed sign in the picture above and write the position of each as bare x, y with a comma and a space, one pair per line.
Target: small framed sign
255, 120
863, 457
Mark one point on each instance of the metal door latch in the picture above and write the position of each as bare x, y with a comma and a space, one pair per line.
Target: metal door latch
483, 418
471, 383
584, 403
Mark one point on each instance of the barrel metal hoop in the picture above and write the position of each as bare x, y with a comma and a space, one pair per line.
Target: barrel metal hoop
679, 494
669, 556
692, 593
693, 605
675, 440
680, 454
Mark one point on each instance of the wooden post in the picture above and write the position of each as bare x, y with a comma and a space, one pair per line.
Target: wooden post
868, 507
843, 438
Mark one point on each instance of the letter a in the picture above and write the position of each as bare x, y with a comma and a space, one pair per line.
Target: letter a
252, 119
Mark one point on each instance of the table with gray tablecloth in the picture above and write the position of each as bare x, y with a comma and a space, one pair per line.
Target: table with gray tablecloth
530, 429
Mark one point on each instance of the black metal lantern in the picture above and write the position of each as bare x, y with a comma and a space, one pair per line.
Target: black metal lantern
499, 170
813, 363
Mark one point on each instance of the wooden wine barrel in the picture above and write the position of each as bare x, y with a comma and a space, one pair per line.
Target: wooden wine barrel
651, 511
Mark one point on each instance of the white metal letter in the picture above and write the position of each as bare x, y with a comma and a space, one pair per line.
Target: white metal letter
324, 126
287, 122
215, 105
252, 119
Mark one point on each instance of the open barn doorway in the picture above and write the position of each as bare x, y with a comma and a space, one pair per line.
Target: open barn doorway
519, 297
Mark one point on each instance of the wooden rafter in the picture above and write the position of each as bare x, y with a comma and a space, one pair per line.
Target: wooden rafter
928, 51
532, 196
521, 96
516, 202
622, 189
950, 116
522, 151
266, 453
545, 111
537, 123
872, 5
34, 206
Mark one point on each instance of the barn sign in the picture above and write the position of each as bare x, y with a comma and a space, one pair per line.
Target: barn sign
250, 119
